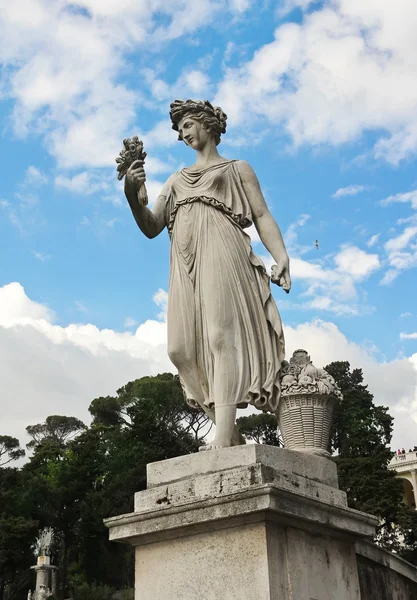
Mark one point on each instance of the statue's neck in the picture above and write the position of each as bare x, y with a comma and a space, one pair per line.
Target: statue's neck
207, 155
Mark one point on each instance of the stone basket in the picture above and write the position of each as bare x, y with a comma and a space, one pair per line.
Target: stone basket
305, 422
305, 412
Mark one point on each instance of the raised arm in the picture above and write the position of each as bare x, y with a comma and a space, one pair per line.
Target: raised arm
150, 222
266, 226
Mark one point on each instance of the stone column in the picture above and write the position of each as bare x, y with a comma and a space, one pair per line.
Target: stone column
45, 574
42, 575
414, 484
251, 522
53, 582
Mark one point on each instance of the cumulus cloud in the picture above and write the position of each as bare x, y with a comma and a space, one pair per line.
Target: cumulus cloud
333, 286
356, 262
347, 68
66, 367
62, 64
331, 283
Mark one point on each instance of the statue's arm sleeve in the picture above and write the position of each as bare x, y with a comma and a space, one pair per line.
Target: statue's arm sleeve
267, 227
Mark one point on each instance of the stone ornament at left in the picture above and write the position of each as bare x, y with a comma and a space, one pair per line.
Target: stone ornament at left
41, 594
225, 333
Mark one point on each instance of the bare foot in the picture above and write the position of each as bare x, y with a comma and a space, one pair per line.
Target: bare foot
215, 445
237, 438
208, 447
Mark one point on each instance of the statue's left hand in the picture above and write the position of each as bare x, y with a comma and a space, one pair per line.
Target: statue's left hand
280, 274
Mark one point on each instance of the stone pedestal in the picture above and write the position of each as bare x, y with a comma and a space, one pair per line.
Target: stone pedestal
45, 575
252, 522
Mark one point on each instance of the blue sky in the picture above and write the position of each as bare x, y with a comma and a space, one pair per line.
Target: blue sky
322, 102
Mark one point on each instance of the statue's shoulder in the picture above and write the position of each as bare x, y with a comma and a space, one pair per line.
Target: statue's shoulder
244, 169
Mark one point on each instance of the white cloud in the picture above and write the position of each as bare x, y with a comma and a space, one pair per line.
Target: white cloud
240, 6
41, 256
67, 367
350, 190
161, 135
129, 322
62, 67
85, 222
405, 314
291, 235
408, 336
85, 183
373, 240
394, 245
328, 288
356, 262
401, 254
402, 198
190, 82
12, 215
330, 283
253, 234
161, 299
347, 68
34, 176
81, 306
401, 249
16, 308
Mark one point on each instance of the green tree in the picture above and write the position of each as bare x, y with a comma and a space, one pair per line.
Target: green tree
10, 449
57, 429
18, 531
162, 395
361, 436
78, 481
146, 421
262, 428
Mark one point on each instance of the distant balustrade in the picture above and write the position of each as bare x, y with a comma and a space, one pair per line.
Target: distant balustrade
403, 458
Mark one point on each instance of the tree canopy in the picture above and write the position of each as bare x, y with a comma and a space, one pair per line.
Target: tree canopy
361, 434
10, 449
76, 476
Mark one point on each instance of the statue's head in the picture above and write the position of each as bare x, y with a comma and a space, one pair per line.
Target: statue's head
212, 118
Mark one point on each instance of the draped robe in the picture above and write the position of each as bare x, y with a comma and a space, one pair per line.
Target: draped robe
219, 292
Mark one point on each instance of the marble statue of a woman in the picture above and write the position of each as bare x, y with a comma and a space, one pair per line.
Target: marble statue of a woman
224, 331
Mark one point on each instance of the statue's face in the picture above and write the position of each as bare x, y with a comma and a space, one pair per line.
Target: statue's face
193, 133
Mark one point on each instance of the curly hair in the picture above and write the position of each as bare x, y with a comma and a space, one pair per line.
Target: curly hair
212, 117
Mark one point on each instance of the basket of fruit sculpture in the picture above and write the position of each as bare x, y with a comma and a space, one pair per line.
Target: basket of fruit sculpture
305, 412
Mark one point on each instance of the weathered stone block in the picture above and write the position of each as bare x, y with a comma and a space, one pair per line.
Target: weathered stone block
242, 527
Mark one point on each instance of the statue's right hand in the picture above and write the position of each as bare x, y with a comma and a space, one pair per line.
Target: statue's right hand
135, 177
